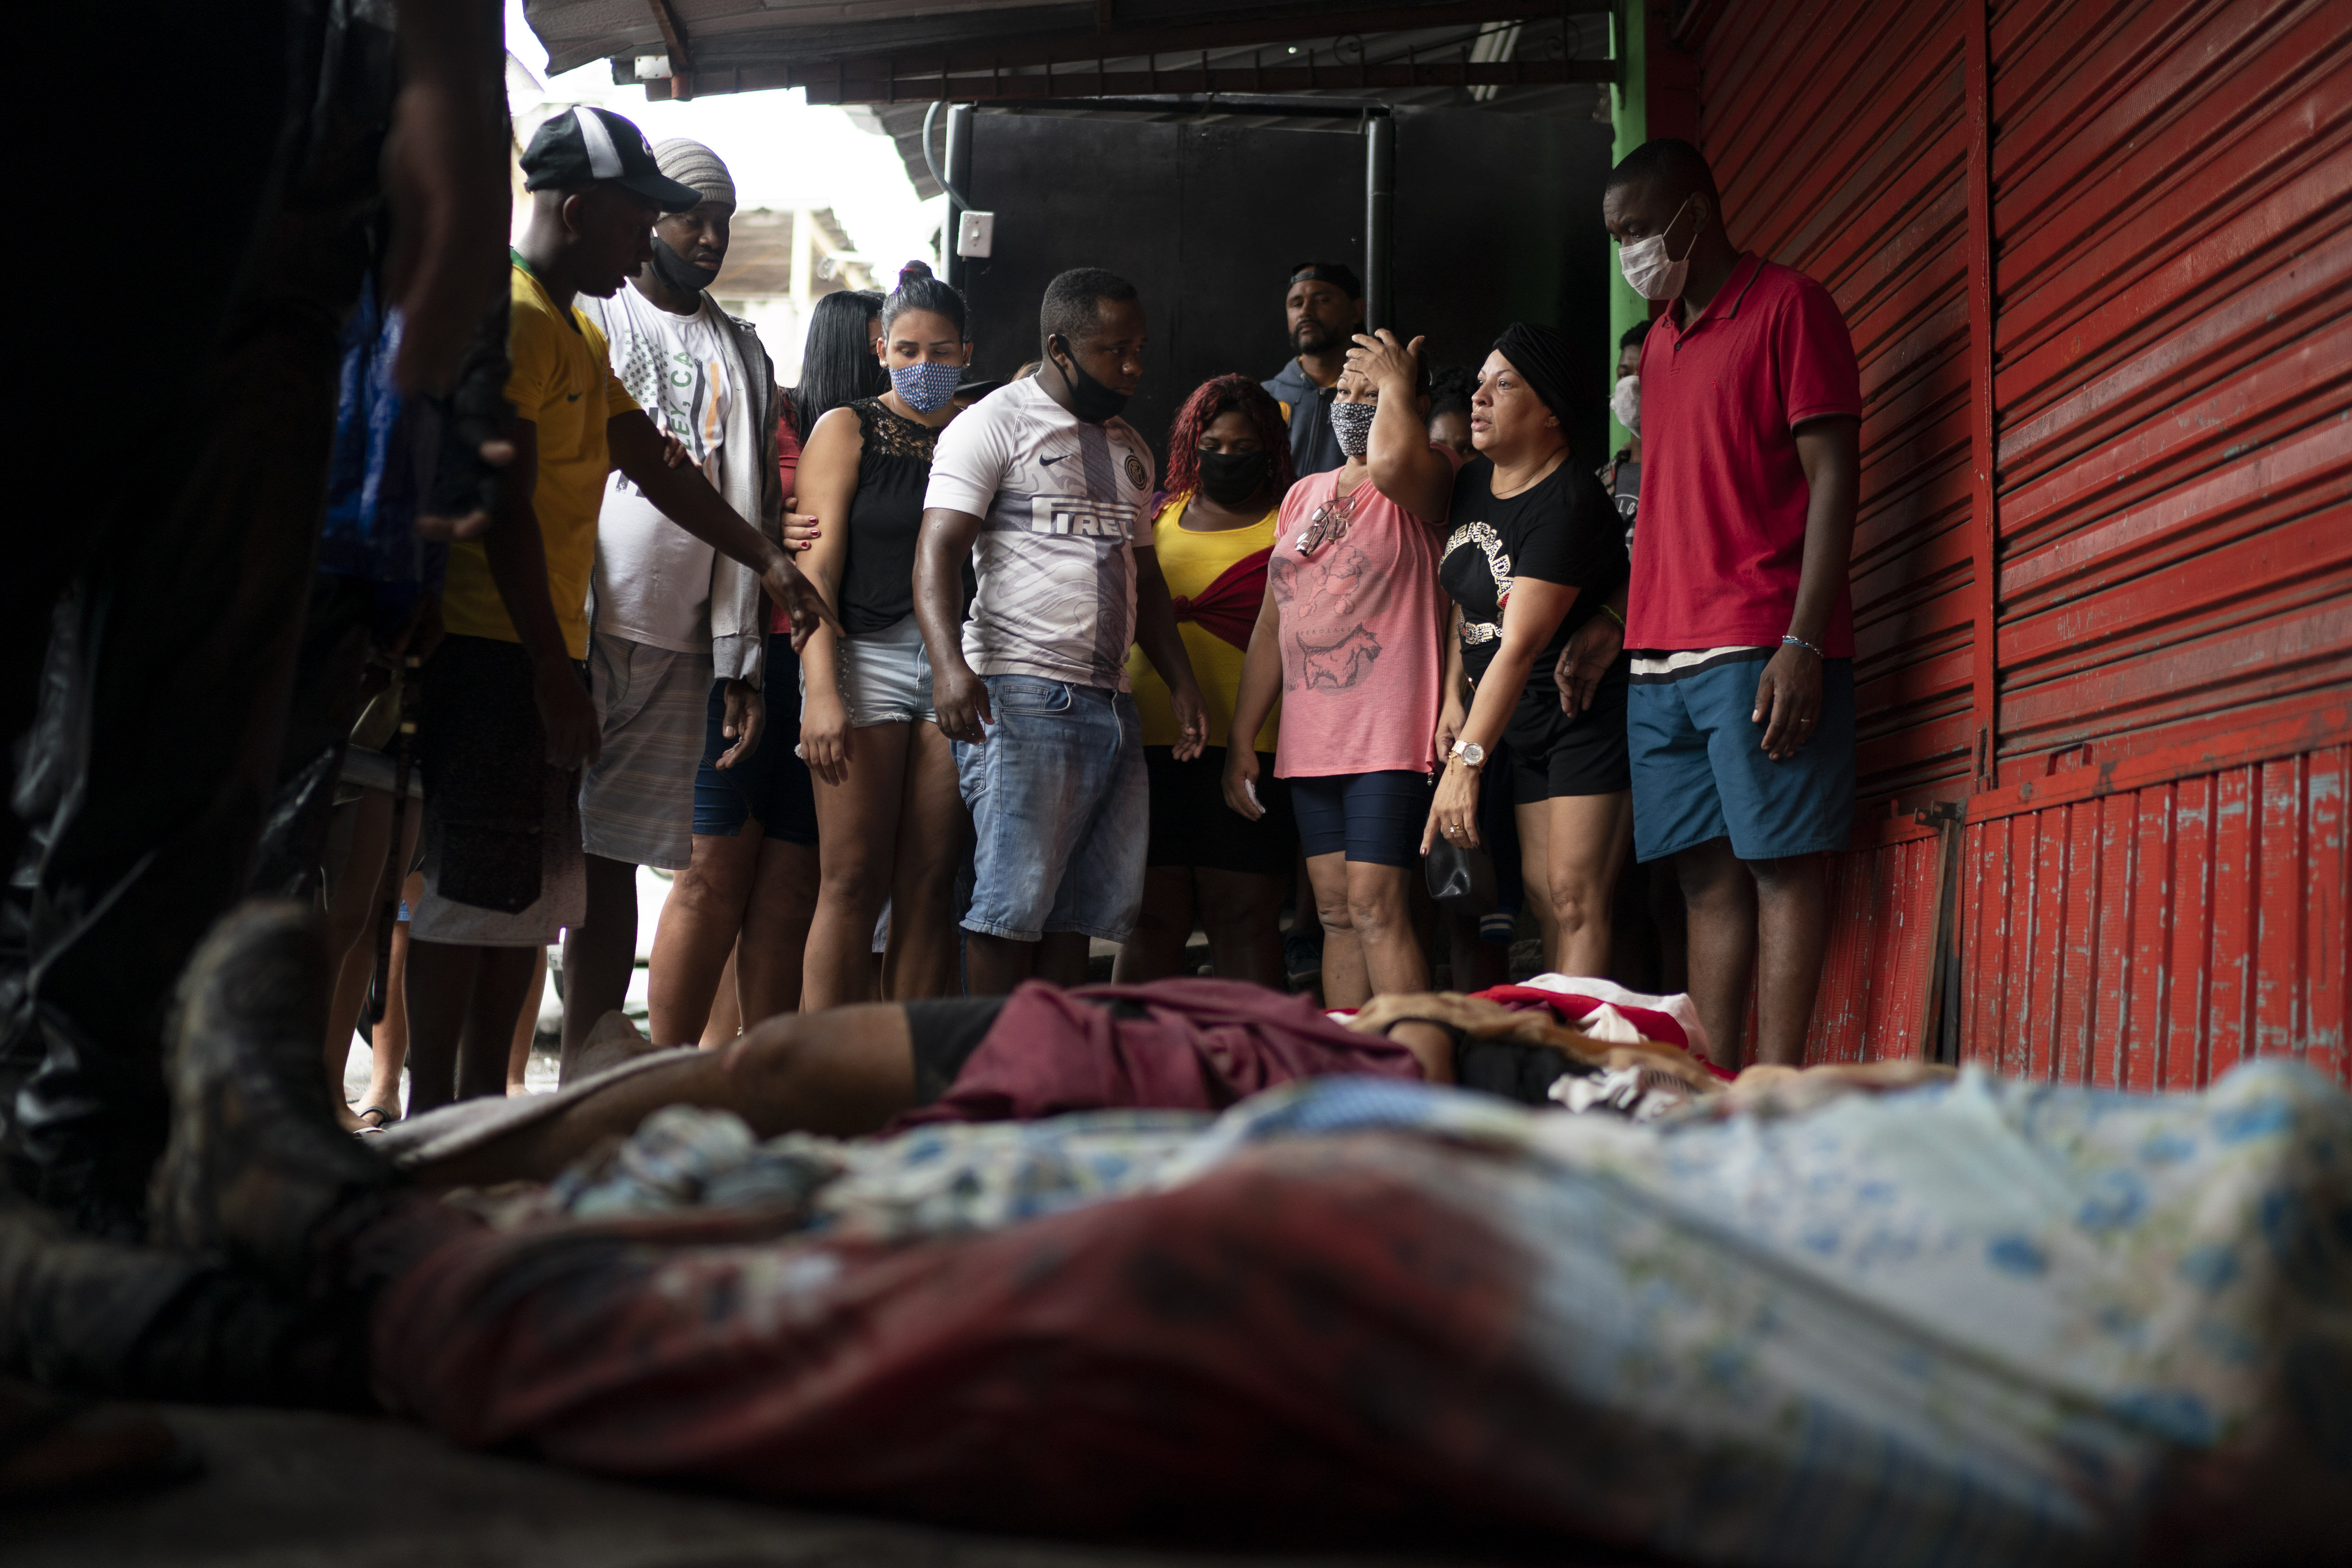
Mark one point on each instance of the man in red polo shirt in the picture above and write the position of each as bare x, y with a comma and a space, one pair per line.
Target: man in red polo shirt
1740, 712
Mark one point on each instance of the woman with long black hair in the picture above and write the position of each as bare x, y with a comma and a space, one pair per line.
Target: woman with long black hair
891, 818
1228, 470
1535, 550
754, 867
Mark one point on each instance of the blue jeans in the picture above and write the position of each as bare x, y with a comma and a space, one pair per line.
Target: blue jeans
1061, 811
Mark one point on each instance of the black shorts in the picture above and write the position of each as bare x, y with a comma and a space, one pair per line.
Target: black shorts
483, 752
1193, 826
772, 783
1553, 755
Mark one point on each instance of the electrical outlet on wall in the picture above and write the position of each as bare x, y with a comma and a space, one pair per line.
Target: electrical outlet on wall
976, 233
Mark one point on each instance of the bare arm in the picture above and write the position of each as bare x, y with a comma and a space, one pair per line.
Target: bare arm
444, 177
517, 561
1405, 467
686, 497
958, 696
1530, 619
1452, 711
1260, 686
1163, 645
1789, 692
827, 486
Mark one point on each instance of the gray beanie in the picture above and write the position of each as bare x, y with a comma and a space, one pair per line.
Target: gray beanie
692, 164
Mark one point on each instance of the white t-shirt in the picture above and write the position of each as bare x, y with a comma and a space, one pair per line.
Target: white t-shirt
652, 578
1062, 505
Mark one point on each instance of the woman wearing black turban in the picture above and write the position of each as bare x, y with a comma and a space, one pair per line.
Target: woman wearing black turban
1535, 548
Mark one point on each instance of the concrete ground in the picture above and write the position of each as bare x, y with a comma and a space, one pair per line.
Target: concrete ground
293, 1490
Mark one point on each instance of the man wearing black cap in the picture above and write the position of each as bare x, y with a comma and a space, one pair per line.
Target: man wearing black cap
1326, 306
506, 720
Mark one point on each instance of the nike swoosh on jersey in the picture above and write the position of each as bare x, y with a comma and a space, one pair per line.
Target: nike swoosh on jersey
1049, 462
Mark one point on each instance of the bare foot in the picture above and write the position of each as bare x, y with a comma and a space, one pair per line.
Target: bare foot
613, 1041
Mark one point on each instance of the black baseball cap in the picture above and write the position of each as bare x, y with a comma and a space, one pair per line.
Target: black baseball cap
584, 145
1338, 274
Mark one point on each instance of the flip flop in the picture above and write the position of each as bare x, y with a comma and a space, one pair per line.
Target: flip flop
383, 1116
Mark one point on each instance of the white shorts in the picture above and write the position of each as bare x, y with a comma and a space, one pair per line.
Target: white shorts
636, 802
885, 676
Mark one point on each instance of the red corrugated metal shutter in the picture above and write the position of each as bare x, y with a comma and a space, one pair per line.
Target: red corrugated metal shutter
2154, 875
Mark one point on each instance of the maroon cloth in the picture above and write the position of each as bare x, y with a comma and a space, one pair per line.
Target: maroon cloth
1200, 1045
1324, 1341
1228, 608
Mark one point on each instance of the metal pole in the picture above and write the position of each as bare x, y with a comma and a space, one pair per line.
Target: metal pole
958, 182
1379, 198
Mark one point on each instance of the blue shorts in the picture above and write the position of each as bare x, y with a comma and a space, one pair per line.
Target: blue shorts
1061, 811
1700, 771
1377, 818
772, 783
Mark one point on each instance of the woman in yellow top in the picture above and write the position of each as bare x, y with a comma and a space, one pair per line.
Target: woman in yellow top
1228, 465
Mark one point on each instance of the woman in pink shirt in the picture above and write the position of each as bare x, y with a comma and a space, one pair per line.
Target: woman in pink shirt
1348, 639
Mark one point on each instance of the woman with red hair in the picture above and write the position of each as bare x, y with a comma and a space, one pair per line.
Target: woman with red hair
1228, 465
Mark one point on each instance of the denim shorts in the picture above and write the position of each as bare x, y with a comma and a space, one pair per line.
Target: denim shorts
1700, 772
771, 783
885, 676
1061, 812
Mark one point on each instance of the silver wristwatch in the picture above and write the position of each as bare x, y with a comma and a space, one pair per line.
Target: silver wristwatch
1470, 752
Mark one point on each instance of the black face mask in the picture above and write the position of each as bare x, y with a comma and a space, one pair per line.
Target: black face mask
678, 272
1090, 400
1230, 479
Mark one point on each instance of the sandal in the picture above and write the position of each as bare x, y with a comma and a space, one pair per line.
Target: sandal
385, 1116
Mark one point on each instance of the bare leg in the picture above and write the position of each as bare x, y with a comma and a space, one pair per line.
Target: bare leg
352, 890
768, 955
1587, 837
1535, 875
526, 1027
1721, 898
501, 978
1379, 908
1345, 981
997, 963
924, 959
840, 1073
391, 1039
440, 987
1243, 915
1156, 950
857, 830
1792, 930
600, 953
694, 941
726, 1008
1063, 957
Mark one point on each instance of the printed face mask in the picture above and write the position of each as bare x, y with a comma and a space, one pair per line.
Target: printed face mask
1352, 423
926, 386
1625, 403
1230, 479
678, 272
1644, 262
1090, 400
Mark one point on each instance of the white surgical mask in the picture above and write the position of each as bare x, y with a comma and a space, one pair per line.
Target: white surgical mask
1625, 403
1647, 271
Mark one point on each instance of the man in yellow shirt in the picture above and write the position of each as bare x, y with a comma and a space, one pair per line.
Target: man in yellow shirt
506, 720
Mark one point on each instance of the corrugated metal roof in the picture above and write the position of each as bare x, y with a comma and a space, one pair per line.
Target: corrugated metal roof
894, 58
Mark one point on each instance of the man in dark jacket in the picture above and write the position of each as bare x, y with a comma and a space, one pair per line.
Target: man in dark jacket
1326, 307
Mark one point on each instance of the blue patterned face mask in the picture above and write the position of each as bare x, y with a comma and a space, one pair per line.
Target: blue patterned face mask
926, 386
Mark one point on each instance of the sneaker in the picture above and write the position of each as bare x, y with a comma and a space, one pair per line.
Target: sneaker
256, 1160
1302, 960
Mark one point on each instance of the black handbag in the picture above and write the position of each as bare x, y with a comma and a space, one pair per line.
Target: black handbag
1461, 879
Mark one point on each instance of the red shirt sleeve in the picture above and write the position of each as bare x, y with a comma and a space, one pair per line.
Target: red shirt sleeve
1819, 374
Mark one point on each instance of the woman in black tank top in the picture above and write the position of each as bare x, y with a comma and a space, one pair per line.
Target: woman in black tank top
890, 819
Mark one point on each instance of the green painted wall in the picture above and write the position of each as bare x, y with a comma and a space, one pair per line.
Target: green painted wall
1632, 120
